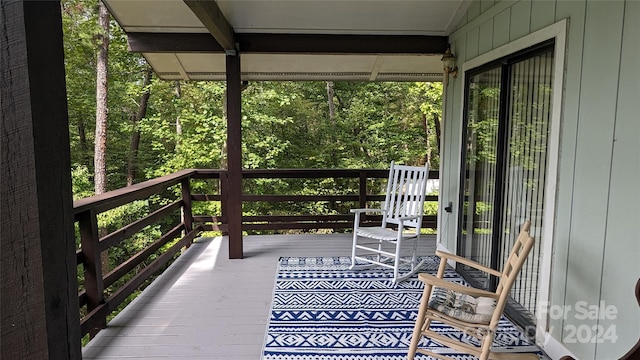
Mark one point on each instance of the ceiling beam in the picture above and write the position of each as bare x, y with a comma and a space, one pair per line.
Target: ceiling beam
342, 44
213, 19
291, 43
173, 43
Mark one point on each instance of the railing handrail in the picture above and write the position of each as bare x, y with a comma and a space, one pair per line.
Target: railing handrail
311, 173
321, 173
114, 198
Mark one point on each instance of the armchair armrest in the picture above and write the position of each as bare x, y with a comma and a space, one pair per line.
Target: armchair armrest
434, 281
468, 262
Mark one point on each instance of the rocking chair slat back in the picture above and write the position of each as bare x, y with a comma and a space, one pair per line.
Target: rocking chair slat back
405, 195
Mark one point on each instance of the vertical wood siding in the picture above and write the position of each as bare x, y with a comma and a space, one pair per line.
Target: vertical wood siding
596, 119
596, 247
621, 245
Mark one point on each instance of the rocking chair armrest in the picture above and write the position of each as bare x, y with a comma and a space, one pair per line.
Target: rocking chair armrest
441, 283
360, 211
468, 262
412, 217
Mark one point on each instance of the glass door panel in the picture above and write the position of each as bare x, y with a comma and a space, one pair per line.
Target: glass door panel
527, 126
479, 182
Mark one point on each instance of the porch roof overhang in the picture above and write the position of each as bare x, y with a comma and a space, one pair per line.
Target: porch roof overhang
350, 40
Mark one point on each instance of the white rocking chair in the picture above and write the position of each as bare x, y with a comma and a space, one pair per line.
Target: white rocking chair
402, 210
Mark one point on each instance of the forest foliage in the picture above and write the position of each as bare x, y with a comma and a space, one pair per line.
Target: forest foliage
284, 124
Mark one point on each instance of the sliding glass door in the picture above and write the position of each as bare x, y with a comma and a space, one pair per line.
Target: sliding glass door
479, 183
507, 114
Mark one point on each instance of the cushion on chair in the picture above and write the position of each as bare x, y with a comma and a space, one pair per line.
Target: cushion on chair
477, 310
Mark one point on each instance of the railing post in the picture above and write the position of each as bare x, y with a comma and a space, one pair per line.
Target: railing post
362, 194
224, 201
93, 281
363, 190
187, 215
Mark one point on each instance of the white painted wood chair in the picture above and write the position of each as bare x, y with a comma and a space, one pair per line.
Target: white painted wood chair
473, 311
386, 245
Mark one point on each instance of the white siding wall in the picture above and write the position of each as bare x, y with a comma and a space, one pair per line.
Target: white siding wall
596, 246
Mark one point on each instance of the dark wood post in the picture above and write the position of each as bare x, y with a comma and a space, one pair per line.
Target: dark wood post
234, 156
362, 195
39, 316
224, 201
93, 280
363, 190
186, 204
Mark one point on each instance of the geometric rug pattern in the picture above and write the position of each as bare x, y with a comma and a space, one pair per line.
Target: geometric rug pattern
322, 310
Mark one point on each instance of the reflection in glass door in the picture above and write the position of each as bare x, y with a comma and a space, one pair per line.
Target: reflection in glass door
479, 185
508, 109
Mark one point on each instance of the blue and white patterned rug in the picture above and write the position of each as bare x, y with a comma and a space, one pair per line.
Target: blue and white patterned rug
321, 310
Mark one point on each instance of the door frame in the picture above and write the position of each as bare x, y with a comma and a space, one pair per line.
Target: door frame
558, 33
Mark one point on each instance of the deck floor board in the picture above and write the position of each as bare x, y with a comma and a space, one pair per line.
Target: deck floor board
206, 306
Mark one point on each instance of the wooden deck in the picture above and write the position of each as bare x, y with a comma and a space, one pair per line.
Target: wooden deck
206, 306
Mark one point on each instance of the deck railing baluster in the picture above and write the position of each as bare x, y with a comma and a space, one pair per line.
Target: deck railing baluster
224, 200
187, 216
93, 280
362, 203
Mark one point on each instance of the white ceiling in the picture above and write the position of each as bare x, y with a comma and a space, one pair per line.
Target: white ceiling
354, 17
394, 17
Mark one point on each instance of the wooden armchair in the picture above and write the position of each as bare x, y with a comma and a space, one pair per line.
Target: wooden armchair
474, 311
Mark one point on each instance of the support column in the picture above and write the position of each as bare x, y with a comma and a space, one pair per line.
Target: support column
234, 156
39, 316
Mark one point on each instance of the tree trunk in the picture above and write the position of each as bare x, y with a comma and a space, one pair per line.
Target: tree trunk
102, 89
224, 164
332, 108
436, 121
134, 145
177, 94
82, 138
332, 118
425, 127
100, 169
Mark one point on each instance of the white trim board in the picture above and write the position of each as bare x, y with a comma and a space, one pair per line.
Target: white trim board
555, 349
558, 32
442, 248
440, 165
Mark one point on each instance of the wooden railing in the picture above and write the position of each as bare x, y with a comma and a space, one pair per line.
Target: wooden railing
174, 193
92, 245
365, 195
